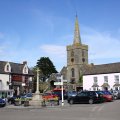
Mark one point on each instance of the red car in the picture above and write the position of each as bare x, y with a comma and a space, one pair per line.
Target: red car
50, 96
108, 96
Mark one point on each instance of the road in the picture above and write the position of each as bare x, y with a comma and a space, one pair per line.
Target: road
104, 111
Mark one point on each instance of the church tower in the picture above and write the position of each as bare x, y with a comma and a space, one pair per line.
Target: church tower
77, 55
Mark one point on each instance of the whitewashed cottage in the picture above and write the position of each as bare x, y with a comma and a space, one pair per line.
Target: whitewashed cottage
101, 77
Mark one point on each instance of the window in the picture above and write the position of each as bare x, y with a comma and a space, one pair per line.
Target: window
116, 79
72, 54
94, 89
0, 84
82, 53
105, 79
116, 88
95, 80
25, 70
73, 72
83, 94
7, 67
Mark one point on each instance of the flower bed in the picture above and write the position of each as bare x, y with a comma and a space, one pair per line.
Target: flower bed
20, 101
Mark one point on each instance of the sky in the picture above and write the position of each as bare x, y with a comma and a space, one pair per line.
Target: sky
31, 29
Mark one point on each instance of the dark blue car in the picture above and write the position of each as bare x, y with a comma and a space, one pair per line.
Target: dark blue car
2, 102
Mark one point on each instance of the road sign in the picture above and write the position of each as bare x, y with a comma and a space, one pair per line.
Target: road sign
64, 80
58, 83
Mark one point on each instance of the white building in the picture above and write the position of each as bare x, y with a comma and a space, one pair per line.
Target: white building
101, 77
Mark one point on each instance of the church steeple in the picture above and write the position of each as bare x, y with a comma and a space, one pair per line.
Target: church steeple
77, 39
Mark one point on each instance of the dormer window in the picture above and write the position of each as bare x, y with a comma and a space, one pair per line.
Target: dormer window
7, 67
25, 70
0, 84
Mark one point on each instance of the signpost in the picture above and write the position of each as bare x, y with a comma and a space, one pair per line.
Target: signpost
61, 84
62, 91
58, 83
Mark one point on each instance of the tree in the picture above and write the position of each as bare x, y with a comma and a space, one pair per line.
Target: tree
46, 66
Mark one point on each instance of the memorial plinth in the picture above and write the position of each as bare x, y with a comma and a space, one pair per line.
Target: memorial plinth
37, 96
36, 99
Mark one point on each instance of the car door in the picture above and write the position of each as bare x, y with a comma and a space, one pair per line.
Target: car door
83, 97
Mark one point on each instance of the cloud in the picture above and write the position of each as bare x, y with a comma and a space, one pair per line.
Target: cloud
102, 45
56, 53
54, 50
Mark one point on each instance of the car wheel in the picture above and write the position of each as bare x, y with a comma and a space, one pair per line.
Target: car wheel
91, 101
9, 102
71, 102
115, 97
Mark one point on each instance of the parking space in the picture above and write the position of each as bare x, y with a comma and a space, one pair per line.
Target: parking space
103, 111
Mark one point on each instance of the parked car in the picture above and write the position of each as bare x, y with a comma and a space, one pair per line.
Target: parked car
85, 97
119, 94
49, 96
108, 96
58, 92
27, 95
116, 94
11, 100
101, 95
71, 93
2, 102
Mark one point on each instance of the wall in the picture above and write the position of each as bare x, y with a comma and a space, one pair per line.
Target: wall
4, 78
88, 80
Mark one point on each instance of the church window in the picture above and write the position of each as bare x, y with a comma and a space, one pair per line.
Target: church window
73, 72
72, 59
83, 53
83, 60
72, 53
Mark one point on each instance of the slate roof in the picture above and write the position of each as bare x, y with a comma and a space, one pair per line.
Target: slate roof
101, 69
16, 68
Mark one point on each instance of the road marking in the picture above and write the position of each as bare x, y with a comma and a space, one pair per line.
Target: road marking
97, 108
101, 108
94, 108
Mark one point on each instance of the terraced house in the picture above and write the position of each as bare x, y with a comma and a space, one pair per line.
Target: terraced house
102, 77
15, 76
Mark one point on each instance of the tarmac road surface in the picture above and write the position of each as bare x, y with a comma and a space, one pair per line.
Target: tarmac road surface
104, 111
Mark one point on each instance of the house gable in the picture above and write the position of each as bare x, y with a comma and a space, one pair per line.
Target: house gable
7, 67
25, 69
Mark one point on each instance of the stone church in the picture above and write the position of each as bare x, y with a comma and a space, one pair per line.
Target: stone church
77, 56
81, 75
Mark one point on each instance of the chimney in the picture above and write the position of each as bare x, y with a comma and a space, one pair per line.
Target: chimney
25, 62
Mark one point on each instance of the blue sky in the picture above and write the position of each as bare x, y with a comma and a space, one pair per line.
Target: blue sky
31, 29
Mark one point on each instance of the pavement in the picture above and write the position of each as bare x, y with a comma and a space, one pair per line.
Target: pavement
36, 107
